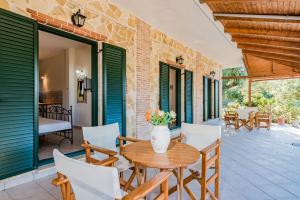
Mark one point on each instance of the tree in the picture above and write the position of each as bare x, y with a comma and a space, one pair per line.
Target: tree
280, 97
233, 89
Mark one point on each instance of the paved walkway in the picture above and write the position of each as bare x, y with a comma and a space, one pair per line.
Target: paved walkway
261, 165
257, 165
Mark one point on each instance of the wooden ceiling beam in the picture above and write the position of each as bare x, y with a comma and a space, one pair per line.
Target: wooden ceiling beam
274, 50
272, 55
235, 77
267, 43
280, 35
246, 64
257, 18
266, 77
233, 1
294, 65
275, 78
283, 60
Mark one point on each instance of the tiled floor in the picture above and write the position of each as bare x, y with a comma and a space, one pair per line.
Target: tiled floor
257, 165
52, 141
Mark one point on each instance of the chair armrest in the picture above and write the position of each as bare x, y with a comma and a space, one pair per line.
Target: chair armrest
211, 147
147, 187
123, 139
178, 138
59, 181
129, 139
100, 149
107, 162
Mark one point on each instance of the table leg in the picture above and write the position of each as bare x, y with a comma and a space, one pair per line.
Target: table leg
141, 174
180, 183
138, 174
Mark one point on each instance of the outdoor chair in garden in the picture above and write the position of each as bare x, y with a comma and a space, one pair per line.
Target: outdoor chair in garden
231, 118
79, 180
246, 117
263, 120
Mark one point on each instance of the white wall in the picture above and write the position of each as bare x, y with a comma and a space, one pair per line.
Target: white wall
54, 71
60, 75
79, 59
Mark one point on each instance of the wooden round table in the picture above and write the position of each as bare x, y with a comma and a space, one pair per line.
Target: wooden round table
178, 156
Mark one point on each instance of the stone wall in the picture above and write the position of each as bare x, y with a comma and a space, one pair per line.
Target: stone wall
145, 47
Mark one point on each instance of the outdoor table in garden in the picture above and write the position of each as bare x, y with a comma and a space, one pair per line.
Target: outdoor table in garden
178, 156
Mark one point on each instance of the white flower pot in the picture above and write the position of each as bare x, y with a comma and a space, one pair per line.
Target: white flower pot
160, 138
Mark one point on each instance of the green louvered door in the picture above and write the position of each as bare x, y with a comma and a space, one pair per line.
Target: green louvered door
18, 99
114, 86
188, 77
205, 98
216, 100
164, 87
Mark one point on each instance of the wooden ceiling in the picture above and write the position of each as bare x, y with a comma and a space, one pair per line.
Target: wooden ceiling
267, 32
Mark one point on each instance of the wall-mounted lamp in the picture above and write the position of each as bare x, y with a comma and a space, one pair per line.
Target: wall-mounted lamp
78, 19
179, 60
212, 73
85, 81
80, 74
43, 77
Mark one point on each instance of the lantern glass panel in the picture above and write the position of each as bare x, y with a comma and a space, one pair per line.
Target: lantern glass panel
81, 21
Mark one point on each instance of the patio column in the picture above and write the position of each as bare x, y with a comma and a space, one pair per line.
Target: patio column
143, 89
249, 92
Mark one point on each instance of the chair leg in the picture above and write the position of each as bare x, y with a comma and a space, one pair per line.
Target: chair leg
121, 175
189, 192
174, 188
130, 180
203, 178
68, 190
217, 168
165, 189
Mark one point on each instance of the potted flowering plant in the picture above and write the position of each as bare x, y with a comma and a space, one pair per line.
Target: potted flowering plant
160, 134
281, 120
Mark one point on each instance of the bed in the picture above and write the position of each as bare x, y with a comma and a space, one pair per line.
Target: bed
58, 120
51, 125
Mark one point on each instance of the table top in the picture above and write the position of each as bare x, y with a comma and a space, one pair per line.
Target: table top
178, 155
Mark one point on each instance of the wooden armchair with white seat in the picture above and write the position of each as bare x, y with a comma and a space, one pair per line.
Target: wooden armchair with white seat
231, 118
207, 140
100, 144
263, 120
246, 117
81, 181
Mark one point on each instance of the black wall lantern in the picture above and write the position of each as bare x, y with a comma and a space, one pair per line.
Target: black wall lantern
212, 73
78, 19
179, 60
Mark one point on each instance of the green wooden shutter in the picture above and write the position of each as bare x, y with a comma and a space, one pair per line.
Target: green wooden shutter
205, 98
188, 77
164, 87
216, 100
114, 86
18, 97
209, 98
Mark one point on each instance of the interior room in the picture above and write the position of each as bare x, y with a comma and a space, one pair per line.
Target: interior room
64, 93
